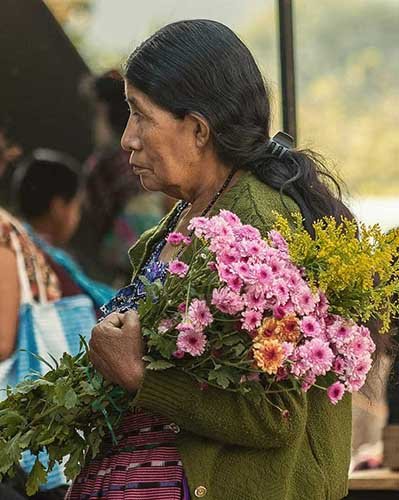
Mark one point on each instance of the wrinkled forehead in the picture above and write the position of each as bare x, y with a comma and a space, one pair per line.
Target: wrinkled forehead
140, 101
137, 98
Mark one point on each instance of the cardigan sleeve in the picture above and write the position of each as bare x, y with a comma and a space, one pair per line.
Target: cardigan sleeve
248, 420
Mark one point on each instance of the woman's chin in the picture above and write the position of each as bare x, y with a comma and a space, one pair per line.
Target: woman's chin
149, 184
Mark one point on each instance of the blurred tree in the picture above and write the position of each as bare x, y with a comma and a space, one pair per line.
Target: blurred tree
73, 15
347, 80
64, 10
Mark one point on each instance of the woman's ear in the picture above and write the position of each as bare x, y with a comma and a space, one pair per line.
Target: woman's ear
201, 130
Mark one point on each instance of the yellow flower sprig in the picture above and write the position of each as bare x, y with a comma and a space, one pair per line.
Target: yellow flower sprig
355, 265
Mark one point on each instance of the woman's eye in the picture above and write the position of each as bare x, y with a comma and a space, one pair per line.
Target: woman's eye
134, 113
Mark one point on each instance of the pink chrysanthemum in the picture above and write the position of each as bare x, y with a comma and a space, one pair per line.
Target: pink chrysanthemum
293, 279
228, 256
254, 299
264, 274
249, 232
359, 346
304, 300
362, 367
225, 272
230, 218
200, 226
178, 268
178, 354
276, 265
338, 366
199, 313
307, 382
243, 270
175, 239
278, 241
318, 355
251, 320
234, 283
192, 343
227, 301
165, 325
335, 392
322, 305
310, 326
188, 327
182, 307
281, 292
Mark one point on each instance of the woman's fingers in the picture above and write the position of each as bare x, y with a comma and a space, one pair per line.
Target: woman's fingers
116, 349
115, 319
131, 324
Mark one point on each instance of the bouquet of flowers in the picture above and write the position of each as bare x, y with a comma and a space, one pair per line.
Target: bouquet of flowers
287, 312
248, 309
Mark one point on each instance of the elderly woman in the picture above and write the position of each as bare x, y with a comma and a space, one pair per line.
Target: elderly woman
199, 131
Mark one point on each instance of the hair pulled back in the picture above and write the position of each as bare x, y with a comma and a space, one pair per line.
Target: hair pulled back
201, 66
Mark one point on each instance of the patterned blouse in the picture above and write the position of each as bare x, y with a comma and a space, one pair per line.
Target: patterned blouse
33, 257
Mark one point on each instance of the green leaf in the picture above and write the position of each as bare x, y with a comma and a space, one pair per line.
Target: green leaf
29, 385
10, 453
72, 467
222, 377
11, 419
147, 332
239, 349
232, 340
148, 359
71, 399
164, 345
160, 365
36, 477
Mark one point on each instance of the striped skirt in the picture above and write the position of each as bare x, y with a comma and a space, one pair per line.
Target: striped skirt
144, 465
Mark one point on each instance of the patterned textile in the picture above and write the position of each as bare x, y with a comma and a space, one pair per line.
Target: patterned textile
33, 257
96, 291
145, 465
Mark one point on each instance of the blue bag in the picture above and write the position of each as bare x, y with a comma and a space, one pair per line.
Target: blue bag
49, 328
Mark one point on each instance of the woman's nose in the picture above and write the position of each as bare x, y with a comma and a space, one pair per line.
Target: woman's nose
130, 140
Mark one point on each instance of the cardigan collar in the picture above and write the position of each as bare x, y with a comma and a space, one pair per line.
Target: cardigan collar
140, 252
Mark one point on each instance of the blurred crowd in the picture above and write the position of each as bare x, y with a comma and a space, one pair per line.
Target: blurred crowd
65, 231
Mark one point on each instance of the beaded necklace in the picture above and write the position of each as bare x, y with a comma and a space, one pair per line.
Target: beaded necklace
210, 204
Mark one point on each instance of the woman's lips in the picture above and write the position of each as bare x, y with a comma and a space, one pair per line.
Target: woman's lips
137, 169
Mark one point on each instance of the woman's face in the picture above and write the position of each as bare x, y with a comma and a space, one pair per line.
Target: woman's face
165, 153
66, 217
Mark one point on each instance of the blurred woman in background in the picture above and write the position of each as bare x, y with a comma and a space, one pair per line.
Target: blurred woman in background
48, 192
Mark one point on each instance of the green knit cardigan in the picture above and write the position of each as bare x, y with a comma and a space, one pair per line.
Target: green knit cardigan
238, 447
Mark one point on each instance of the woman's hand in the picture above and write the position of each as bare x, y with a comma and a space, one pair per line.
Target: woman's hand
116, 349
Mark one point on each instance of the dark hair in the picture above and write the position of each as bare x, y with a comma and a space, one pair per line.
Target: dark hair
202, 66
109, 88
41, 177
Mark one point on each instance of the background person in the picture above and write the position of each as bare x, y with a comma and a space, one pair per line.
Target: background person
48, 191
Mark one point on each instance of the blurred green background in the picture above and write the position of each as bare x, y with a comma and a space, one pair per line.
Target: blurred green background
347, 70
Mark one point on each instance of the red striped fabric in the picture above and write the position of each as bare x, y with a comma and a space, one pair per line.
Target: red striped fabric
145, 465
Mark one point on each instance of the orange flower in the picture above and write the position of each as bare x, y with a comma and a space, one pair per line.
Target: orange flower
289, 329
268, 354
268, 328
285, 330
